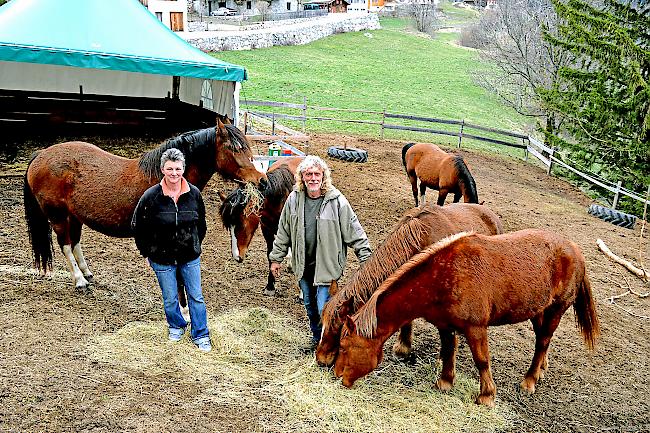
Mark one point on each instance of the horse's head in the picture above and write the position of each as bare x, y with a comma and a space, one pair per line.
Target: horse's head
358, 355
332, 319
240, 216
234, 155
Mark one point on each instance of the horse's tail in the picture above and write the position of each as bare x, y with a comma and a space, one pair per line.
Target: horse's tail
468, 186
38, 228
406, 147
585, 312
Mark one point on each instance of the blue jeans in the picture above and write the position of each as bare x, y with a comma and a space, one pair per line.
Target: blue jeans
191, 273
314, 298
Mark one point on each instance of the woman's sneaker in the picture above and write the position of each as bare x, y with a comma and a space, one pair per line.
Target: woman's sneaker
204, 345
176, 334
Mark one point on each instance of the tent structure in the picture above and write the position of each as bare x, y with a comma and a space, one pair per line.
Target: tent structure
113, 56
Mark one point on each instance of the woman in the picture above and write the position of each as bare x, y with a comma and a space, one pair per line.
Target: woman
169, 226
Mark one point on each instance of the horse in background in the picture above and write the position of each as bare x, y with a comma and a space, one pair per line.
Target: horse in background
241, 211
466, 283
417, 229
74, 183
437, 169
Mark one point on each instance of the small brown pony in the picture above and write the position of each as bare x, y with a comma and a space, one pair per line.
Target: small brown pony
417, 229
466, 283
71, 184
439, 170
241, 214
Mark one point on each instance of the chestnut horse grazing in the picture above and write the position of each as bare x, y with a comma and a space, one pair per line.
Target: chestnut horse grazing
71, 184
241, 212
466, 283
439, 170
417, 229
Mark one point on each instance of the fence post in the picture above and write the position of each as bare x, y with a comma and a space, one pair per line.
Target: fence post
550, 161
460, 137
617, 194
273, 123
523, 142
304, 113
383, 120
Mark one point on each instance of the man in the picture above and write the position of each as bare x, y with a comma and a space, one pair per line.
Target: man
318, 224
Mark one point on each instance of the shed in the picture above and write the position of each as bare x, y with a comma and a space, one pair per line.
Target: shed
97, 63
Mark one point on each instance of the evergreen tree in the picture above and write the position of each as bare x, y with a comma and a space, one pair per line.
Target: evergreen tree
604, 95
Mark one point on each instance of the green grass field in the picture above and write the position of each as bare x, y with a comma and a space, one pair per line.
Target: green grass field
392, 69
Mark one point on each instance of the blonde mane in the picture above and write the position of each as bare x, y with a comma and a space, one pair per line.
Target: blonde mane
366, 318
400, 245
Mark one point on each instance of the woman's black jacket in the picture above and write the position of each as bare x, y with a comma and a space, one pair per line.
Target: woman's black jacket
167, 232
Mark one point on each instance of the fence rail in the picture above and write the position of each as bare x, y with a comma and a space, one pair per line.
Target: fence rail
530, 145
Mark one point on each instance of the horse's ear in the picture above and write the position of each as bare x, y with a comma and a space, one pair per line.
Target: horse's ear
350, 324
219, 123
226, 121
334, 287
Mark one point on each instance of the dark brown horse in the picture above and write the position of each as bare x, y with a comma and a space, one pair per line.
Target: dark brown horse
466, 283
438, 170
417, 229
241, 212
71, 184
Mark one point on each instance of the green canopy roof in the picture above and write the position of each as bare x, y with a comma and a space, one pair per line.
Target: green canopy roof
104, 34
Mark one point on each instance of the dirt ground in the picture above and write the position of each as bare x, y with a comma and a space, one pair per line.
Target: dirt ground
48, 383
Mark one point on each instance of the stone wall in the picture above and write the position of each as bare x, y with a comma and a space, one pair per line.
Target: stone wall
296, 33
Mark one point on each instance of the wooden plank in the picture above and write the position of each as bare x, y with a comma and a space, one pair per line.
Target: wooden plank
418, 129
539, 156
539, 144
274, 104
424, 119
496, 131
494, 140
279, 127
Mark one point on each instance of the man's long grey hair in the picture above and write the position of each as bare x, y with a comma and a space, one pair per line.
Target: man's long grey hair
313, 161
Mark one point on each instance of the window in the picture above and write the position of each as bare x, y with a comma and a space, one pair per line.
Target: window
222, 4
288, 6
249, 5
159, 16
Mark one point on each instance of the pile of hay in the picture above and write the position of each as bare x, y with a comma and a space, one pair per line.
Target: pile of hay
256, 360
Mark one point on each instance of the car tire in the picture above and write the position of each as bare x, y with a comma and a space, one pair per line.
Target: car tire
613, 216
350, 154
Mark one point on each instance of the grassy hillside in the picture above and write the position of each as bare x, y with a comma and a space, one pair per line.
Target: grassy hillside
393, 69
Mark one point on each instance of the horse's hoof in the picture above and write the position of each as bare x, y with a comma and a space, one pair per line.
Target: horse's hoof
268, 292
485, 400
528, 385
90, 278
407, 358
444, 385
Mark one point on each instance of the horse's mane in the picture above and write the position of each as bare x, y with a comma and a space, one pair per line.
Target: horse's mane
405, 240
279, 185
465, 177
197, 146
366, 318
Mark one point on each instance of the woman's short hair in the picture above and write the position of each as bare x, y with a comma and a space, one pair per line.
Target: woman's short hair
313, 161
172, 154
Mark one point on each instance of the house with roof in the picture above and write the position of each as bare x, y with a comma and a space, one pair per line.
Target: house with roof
172, 13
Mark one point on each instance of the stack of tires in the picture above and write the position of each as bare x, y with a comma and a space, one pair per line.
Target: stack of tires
613, 216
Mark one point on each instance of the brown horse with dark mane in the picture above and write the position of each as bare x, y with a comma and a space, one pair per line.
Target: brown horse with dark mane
417, 229
241, 211
71, 184
466, 283
437, 169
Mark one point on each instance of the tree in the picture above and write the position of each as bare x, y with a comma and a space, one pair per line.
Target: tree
521, 62
264, 8
423, 13
604, 94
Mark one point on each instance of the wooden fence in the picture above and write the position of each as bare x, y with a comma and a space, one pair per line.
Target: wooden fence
529, 144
